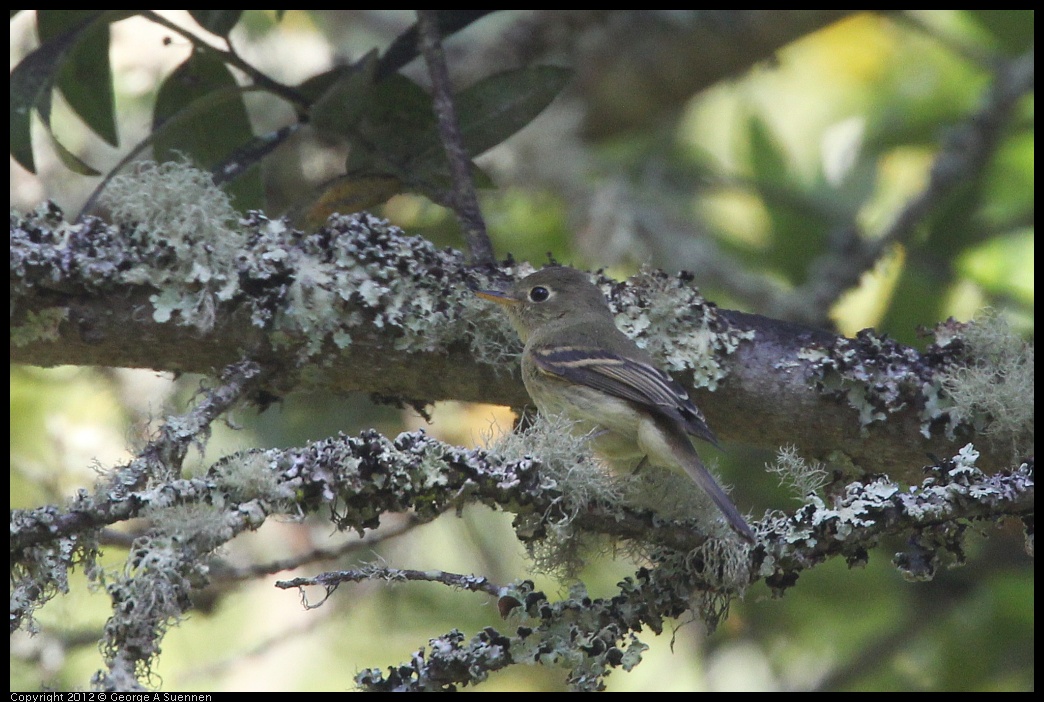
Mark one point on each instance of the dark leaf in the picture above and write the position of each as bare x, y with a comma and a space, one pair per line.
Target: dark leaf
311, 89
1013, 30
405, 48
30, 88
347, 194
219, 22
85, 78
397, 125
496, 107
200, 113
796, 235
70, 160
341, 105
397, 134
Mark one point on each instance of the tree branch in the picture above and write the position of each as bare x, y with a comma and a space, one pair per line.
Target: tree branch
359, 306
331, 580
465, 201
361, 478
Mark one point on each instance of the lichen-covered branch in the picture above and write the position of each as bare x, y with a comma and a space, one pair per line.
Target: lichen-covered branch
329, 581
360, 306
590, 637
361, 478
48, 542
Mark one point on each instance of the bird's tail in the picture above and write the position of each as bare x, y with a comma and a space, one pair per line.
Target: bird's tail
693, 465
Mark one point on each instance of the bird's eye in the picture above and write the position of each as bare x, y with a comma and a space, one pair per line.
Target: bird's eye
539, 294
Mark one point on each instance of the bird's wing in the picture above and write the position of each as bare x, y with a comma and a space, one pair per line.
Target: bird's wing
628, 378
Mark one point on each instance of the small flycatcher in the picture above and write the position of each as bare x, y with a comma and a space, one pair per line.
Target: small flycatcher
578, 364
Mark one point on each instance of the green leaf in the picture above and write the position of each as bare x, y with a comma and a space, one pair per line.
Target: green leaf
200, 112
397, 134
219, 22
30, 88
496, 107
798, 231
85, 76
398, 123
71, 161
311, 89
767, 158
1013, 30
340, 106
199, 133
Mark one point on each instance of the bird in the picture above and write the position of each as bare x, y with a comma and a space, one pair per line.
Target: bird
577, 363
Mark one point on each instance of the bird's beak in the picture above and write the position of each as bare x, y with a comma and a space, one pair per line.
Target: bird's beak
499, 296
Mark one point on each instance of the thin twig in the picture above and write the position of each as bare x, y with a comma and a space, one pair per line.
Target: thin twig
331, 580
463, 197
161, 460
224, 572
233, 59
474, 583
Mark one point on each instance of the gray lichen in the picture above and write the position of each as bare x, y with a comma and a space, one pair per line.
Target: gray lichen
360, 478
172, 212
699, 340
875, 375
993, 388
979, 375
42, 325
935, 513
175, 233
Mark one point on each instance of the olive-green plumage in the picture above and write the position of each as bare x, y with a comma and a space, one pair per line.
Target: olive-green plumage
578, 364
